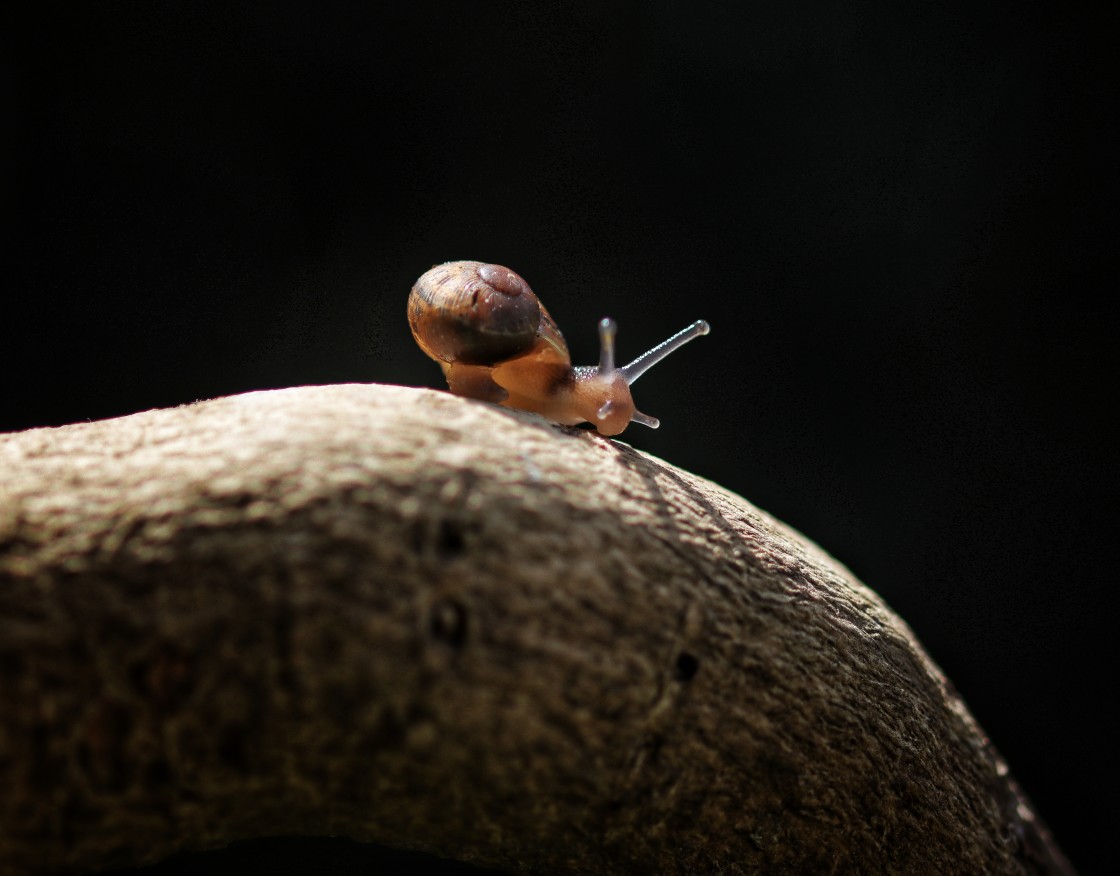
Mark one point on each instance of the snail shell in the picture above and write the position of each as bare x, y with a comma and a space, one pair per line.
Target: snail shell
478, 314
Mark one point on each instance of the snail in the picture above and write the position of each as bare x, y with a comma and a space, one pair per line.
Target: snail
496, 342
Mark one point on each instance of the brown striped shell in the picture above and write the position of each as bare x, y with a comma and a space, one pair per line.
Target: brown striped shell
478, 314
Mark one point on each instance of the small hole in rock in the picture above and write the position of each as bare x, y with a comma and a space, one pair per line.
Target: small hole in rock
687, 666
233, 748
448, 623
158, 776
449, 540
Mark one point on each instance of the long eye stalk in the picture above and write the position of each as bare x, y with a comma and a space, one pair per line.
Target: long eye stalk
643, 363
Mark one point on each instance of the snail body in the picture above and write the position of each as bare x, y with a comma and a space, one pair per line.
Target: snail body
495, 341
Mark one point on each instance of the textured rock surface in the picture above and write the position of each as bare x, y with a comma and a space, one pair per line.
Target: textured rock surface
397, 615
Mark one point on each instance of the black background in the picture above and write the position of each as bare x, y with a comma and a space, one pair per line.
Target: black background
894, 215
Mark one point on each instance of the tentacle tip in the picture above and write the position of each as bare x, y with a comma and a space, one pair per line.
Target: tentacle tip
702, 327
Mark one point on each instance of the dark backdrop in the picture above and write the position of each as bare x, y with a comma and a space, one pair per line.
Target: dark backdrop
892, 213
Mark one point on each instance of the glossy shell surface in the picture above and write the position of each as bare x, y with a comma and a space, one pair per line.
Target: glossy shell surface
473, 313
